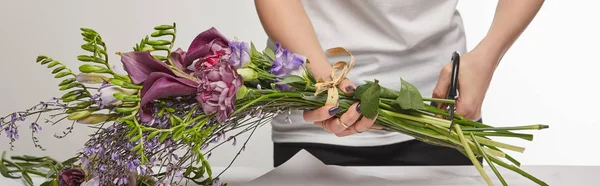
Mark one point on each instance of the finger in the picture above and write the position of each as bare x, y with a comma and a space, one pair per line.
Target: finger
320, 114
466, 107
336, 125
441, 88
360, 126
347, 86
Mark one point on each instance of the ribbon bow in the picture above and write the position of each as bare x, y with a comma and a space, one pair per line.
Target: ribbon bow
331, 86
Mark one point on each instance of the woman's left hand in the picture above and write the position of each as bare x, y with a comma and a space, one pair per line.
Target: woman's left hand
474, 77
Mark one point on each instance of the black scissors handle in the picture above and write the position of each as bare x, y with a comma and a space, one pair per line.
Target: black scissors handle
453, 88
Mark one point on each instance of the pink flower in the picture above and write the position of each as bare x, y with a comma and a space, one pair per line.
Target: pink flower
207, 47
70, 177
217, 91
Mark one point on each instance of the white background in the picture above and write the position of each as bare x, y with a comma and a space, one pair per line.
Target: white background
550, 75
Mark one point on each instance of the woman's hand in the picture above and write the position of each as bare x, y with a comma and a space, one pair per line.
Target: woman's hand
345, 125
474, 77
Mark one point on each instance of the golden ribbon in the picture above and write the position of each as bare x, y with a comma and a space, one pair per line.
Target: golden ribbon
331, 86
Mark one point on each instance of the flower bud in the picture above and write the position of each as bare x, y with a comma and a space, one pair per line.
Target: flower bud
247, 74
241, 93
94, 119
91, 78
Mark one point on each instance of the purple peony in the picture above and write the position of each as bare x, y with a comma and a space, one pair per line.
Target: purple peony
70, 177
217, 91
287, 63
240, 54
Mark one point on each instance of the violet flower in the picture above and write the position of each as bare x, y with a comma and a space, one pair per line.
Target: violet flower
240, 54
287, 63
217, 93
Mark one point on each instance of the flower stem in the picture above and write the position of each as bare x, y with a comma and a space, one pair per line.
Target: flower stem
449, 101
519, 171
527, 127
528, 137
487, 159
472, 156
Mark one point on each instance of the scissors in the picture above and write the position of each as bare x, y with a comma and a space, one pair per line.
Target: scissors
453, 88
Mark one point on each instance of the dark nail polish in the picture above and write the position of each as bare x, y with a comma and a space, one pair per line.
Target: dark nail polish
350, 89
358, 108
334, 110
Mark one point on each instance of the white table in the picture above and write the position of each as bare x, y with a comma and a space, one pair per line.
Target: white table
414, 176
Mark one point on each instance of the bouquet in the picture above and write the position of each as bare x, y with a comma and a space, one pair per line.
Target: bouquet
190, 100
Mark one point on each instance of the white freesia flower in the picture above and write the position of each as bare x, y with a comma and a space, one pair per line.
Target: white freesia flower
92, 182
107, 91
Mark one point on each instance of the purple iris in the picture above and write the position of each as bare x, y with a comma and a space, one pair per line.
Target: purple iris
287, 63
240, 54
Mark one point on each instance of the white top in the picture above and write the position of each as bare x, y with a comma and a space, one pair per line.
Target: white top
390, 39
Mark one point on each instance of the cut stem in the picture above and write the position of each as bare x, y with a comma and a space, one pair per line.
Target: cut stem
485, 157
472, 156
527, 127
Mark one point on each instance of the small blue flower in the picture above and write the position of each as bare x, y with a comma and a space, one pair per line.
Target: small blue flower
240, 54
287, 63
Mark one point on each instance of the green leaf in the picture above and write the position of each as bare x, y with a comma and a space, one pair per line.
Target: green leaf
41, 58
160, 58
27, 178
4, 169
67, 81
159, 42
369, 100
137, 147
178, 134
88, 68
62, 74
164, 27
291, 79
269, 53
131, 86
317, 98
46, 61
85, 58
126, 98
126, 110
79, 115
135, 138
54, 63
83, 104
58, 69
160, 47
50, 183
153, 134
163, 137
69, 86
409, 97
72, 93
162, 33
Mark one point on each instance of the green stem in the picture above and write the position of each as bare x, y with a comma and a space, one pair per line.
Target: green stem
500, 145
527, 127
528, 137
487, 159
519, 171
472, 156
448, 101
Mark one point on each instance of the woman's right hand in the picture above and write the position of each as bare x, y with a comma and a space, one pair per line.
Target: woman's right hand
348, 123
